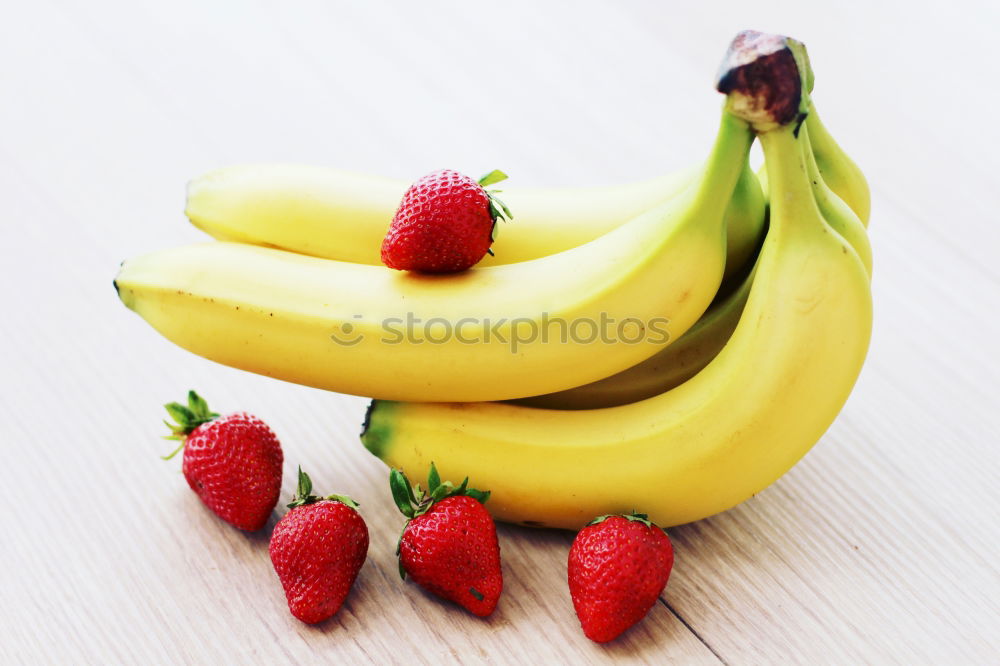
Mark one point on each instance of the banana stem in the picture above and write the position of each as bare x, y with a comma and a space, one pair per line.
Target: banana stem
724, 167
793, 205
766, 79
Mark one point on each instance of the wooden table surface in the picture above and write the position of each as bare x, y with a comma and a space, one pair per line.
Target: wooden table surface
880, 546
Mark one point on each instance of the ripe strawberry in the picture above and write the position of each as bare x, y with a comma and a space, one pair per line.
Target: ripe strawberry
618, 566
317, 550
449, 544
232, 462
444, 224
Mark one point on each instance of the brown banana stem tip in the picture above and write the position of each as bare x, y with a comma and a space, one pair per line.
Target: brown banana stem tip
766, 79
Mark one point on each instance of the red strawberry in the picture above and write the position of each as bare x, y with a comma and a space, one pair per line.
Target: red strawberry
232, 462
317, 550
618, 566
444, 224
449, 544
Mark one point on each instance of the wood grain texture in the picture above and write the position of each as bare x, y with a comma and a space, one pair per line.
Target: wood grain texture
879, 547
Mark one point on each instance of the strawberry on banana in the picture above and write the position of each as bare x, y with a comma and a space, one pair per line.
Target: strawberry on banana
444, 224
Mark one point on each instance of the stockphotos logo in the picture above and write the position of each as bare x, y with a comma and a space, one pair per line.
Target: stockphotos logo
516, 332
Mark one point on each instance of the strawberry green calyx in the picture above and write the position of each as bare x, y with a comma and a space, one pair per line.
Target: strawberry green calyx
186, 419
498, 209
413, 501
304, 496
633, 517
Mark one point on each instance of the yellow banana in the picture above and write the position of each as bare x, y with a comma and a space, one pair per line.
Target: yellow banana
341, 215
839, 171
696, 348
703, 446
834, 209
479, 335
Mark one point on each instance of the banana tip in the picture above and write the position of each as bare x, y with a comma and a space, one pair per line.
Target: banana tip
125, 295
375, 432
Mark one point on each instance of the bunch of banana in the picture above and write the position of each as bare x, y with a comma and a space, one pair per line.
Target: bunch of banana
729, 430
742, 348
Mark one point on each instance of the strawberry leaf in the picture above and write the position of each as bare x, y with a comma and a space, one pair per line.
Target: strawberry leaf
188, 418
633, 517
304, 494
433, 479
500, 207
343, 499
305, 485
399, 562
492, 177
600, 519
412, 501
175, 451
196, 403
402, 494
441, 492
479, 495
181, 414
303, 491
638, 518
